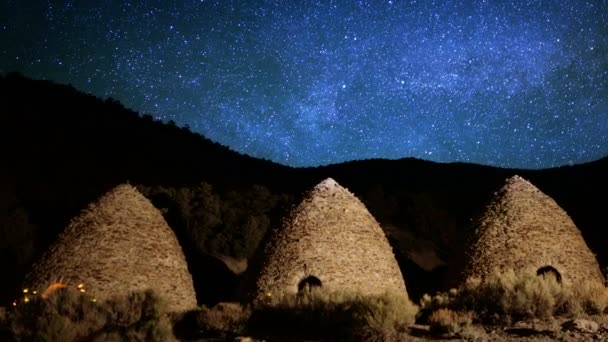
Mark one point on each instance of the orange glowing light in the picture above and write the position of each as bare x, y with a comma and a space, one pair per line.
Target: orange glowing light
51, 289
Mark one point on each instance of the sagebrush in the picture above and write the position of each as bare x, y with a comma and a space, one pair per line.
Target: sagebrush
510, 296
446, 321
70, 315
320, 315
224, 319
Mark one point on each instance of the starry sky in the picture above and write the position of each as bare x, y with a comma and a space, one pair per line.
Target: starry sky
519, 84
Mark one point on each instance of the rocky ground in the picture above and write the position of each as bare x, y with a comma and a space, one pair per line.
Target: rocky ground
589, 329
594, 328
563, 330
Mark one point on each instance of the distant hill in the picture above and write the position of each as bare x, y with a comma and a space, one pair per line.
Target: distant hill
73, 129
64, 148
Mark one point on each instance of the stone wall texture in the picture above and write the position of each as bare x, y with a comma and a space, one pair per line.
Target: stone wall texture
523, 229
330, 235
119, 244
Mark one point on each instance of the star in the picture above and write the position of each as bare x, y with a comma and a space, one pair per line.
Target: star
511, 84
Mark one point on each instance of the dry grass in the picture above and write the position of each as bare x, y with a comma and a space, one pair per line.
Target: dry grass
590, 298
447, 321
314, 316
507, 297
224, 319
70, 315
347, 316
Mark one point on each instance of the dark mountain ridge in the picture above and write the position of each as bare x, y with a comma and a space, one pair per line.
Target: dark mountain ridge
65, 148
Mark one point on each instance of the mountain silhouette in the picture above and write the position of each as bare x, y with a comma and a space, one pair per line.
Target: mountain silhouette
64, 149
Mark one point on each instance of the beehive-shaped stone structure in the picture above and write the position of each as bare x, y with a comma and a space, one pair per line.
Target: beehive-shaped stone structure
329, 240
119, 244
527, 231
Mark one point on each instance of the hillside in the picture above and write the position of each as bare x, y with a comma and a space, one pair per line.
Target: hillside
66, 148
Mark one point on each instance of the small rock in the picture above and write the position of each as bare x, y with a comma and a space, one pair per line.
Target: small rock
243, 339
582, 325
420, 327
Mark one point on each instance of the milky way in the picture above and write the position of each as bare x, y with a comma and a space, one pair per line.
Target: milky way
514, 84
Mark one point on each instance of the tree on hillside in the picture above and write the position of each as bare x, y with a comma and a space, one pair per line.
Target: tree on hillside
231, 223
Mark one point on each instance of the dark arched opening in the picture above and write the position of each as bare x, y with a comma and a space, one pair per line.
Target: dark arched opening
549, 271
309, 284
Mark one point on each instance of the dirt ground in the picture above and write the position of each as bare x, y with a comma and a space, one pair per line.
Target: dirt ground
530, 331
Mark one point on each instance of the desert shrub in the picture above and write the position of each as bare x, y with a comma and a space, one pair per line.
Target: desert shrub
440, 300
320, 315
70, 315
503, 297
140, 316
515, 296
444, 321
66, 315
589, 298
224, 319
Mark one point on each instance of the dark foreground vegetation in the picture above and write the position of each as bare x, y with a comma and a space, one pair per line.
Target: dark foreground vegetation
69, 314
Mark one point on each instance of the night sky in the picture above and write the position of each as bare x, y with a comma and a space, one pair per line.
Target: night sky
508, 83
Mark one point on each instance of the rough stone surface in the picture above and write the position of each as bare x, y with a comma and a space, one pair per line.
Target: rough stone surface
582, 325
330, 235
523, 229
119, 244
